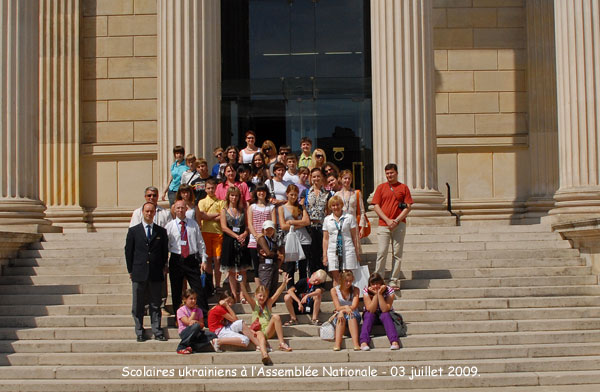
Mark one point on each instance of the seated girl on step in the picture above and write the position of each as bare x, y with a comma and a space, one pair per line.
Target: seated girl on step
378, 299
345, 299
261, 306
191, 326
232, 331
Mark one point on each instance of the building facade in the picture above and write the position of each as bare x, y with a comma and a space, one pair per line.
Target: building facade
499, 99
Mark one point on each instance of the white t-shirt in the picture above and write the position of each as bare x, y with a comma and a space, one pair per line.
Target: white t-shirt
278, 188
293, 178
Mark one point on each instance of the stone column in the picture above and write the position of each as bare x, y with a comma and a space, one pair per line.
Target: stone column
543, 133
403, 99
20, 207
189, 79
578, 91
59, 120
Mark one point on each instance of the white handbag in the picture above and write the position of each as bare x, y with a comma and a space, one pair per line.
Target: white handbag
327, 330
293, 248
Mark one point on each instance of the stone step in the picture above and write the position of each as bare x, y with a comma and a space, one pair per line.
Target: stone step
415, 243
499, 282
329, 383
414, 368
368, 249
400, 304
479, 237
108, 316
497, 292
407, 273
456, 353
65, 279
311, 343
406, 264
305, 330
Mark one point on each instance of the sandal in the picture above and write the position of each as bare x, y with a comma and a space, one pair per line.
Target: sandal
291, 322
243, 301
315, 322
187, 350
284, 347
335, 348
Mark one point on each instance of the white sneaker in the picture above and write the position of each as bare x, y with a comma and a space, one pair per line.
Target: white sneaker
215, 344
395, 347
365, 348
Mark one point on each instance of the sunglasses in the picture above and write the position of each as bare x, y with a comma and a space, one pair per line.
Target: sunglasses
151, 195
318, 156
267, 149
284, 152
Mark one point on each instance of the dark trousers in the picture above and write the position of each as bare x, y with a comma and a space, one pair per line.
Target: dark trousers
195, 337
290, 266
315, 262
188, 268
141, 291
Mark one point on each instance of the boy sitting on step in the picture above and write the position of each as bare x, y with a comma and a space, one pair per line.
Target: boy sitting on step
306, 294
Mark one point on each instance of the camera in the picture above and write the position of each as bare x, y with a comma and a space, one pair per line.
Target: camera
402, 206
239, 277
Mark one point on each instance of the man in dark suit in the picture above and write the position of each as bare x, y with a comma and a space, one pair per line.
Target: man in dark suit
146, 252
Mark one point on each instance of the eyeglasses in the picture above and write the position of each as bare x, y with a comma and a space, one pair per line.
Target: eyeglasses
219, 154
152, 195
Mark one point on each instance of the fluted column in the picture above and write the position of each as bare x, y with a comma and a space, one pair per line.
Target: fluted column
59, 120
189, 78
578, 91
20, 207
543, 133
403, 99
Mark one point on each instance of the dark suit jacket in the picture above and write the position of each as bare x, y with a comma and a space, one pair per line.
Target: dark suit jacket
146, 260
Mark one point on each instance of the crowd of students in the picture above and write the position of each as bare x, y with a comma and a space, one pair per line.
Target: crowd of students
246, 206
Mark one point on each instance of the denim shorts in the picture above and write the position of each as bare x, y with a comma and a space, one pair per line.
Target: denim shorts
356, 315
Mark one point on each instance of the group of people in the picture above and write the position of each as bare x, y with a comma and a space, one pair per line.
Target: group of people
238, 217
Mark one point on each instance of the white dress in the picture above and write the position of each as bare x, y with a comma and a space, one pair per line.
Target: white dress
329, 225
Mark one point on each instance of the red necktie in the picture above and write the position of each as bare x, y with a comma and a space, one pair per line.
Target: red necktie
185, 249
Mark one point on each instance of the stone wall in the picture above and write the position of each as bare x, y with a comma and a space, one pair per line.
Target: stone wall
119, 102
481, 104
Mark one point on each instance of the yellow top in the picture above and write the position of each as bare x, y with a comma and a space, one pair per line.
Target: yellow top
211, 206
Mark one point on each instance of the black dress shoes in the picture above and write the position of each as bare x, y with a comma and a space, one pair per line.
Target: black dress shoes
161, 338
140, 338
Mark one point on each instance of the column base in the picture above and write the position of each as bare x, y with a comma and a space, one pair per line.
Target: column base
25, 216
583, 202
429, 209
70, 218
538, 207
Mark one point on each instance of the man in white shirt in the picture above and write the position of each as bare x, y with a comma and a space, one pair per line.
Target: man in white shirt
162, 216
187, 249
291, 175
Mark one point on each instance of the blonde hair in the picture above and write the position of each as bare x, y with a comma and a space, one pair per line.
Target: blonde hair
262, 289
321, 275
334, 200
345, 275
233, 190
314, 158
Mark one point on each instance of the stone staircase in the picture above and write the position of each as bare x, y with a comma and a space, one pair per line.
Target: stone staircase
507, 307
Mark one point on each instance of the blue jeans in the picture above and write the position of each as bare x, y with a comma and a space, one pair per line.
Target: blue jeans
195, 337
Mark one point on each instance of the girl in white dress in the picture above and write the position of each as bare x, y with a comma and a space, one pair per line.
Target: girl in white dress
340, 248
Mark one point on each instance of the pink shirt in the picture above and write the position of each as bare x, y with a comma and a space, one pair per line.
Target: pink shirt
221, 191
184, 311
